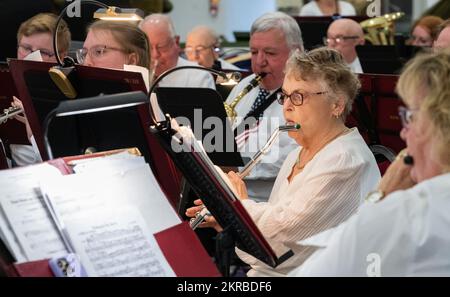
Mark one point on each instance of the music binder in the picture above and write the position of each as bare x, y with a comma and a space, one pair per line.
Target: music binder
217, 196
179, 245
40, 95
198, 105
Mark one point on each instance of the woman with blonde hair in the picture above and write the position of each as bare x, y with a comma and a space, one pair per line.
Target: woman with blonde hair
405, 234
111, 44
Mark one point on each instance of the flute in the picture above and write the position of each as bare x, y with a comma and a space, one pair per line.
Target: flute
9, 113
200, 216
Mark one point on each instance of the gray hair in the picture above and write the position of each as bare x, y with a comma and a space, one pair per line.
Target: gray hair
283, 22
159, 18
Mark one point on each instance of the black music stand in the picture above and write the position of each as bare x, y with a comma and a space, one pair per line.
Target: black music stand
239, 228
199, 105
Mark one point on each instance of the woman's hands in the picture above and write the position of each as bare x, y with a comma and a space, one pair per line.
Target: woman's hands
397, 176
239, 185
21, 118
210, 221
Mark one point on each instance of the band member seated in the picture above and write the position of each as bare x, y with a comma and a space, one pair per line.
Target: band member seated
35, 39
273, 37
202, 46
165, 55
424, 31
406, 233
344, 35
327, 8
324, 180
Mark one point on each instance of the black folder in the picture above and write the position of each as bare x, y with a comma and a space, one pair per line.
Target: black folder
203, 107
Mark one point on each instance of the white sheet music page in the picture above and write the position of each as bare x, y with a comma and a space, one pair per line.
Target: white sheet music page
135, 186
116, 242
27, 226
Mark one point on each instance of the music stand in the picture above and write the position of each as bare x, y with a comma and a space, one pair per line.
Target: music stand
199, 105
108, 130
239, 228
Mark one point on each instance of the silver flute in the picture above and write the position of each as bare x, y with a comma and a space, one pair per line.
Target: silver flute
200, 216
9, 113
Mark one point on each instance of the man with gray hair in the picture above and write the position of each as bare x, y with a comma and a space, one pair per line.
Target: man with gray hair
164, 52
273, 37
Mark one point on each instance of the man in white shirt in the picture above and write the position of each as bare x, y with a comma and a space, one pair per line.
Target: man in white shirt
273, 37
344, 35
165, 50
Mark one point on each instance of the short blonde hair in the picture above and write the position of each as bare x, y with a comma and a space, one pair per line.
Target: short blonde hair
129, 36
430, 74
46, 23
327, 65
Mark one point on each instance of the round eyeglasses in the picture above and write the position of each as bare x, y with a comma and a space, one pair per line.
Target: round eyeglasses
296, 97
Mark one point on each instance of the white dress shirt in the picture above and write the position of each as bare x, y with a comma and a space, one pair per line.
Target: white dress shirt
312, 9
326, 193
355, 66
261, 179
188, 78
227, 66
406, 234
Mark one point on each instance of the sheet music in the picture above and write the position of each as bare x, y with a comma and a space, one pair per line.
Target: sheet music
137, 186
116, 242
112, 163
27, 227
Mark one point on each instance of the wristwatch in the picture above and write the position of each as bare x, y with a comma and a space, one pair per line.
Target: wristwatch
374, 196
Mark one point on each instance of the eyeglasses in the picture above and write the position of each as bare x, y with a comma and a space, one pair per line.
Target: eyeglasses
338, 39
406, 115
95, 53
25, 49
191, 51
160, 48
296, 97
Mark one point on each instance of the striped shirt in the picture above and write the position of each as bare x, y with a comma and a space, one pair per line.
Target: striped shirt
327, 192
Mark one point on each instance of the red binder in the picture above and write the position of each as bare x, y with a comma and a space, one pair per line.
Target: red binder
179, 244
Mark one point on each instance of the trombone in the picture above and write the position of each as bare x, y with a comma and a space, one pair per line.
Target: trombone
9, 113
201, 215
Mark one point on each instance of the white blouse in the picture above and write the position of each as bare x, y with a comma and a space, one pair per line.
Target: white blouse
312, 9
406, 234
327, 192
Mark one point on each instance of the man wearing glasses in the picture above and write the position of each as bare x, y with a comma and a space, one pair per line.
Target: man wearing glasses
202, 46
165, 50
344, 35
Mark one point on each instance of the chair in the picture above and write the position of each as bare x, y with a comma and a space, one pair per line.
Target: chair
384, 156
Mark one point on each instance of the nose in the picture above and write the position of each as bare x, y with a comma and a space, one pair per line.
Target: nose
261, 60
88, 61
404, 133
154, 53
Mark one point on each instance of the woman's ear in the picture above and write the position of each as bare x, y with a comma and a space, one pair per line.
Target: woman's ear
339, 106
133, 59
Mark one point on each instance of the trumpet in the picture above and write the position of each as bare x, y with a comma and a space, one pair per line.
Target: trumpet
9, 113
201, 215
229, 108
